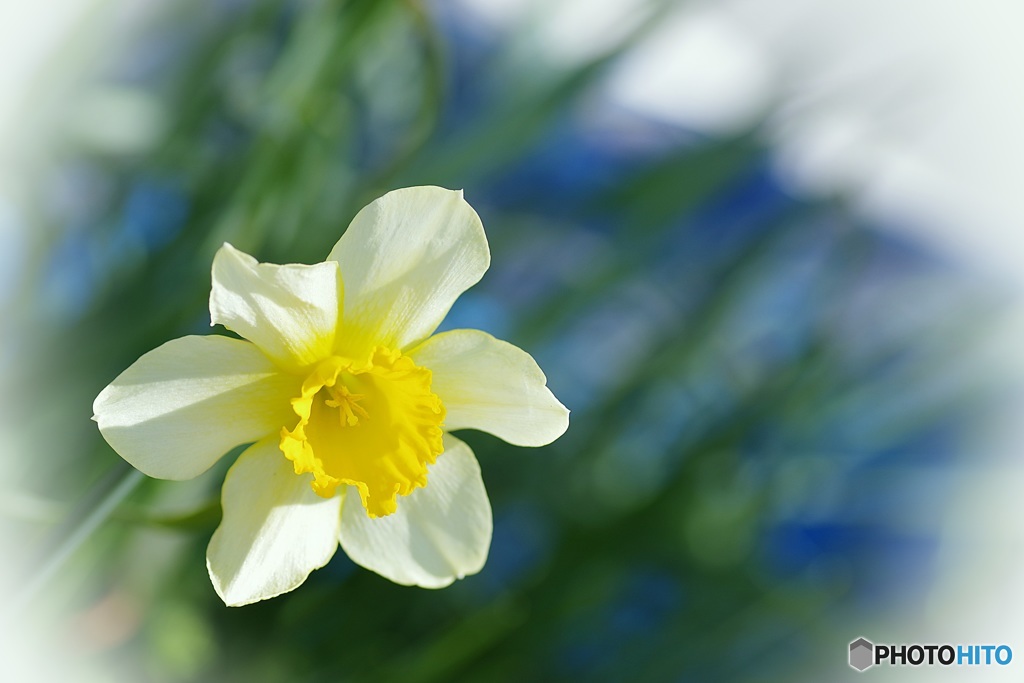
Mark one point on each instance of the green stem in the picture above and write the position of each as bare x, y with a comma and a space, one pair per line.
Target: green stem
80, 525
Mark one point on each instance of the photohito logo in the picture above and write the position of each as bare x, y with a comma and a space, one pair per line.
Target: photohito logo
861, 654
864, 654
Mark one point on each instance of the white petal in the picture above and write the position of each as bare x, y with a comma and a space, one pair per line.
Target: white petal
439, 533
406, 258
291, 312
181, 406
489, 384
275, 530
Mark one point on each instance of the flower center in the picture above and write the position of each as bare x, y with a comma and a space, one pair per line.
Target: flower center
375, 426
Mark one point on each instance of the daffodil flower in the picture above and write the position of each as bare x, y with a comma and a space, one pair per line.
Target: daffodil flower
347, 400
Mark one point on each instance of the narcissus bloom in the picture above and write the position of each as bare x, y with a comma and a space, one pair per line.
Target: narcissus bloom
347, 400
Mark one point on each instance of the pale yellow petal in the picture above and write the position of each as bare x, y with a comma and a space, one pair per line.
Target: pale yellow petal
491, 385
438, 534
177, 409
291, 312
406, 258
274, 532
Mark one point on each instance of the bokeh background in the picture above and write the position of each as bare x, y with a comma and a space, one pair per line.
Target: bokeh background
768, 253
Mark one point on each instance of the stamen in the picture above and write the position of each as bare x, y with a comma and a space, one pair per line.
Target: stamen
349, 410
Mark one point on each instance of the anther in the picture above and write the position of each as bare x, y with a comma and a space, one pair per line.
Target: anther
347, 403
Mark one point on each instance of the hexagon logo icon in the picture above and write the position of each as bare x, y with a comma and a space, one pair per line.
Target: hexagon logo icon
862, 653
